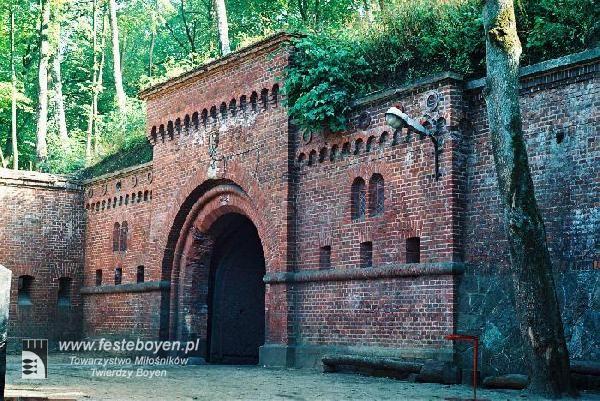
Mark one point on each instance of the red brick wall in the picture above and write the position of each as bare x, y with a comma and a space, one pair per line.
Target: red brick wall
122, 315
122, 197
561, 115
41, 235
402, 312
563, 102
298, 195
415, 203
260, 168
252, 154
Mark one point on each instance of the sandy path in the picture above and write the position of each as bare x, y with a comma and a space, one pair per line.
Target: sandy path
224, 383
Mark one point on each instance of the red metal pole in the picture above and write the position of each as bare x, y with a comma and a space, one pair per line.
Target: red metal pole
475, 356
475, 340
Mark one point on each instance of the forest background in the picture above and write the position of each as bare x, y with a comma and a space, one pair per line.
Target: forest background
70, 70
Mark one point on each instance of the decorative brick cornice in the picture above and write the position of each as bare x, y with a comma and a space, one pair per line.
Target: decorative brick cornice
119, 173
416, 85
553, 70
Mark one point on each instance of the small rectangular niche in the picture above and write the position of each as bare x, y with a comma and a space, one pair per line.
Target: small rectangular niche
25, 284
366, 254
118, 275
413, 250
64, 291
140, 274
325, 257
98, 277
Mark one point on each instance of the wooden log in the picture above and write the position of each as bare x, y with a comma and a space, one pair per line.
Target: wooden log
585, 368
438, 372
586, 382
510, 381
5, 281
372, 362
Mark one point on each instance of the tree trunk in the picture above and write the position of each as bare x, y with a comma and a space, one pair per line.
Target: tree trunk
535, 297
92, 115
151, 51
99, 84
222, 26
58, 94
13, 94
114, 28
302, 8
188, 32
3, 162
60, 103
368, 11
42, 108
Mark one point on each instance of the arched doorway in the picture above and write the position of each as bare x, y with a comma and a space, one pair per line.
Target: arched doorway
216, 253
236, 292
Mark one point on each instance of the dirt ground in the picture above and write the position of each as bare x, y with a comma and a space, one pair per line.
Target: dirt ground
223, 383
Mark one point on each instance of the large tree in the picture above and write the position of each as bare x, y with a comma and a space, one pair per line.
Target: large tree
59, 101
42, 108
92, 116
222, 26
536, 301
114, 28
13, 94
99, 84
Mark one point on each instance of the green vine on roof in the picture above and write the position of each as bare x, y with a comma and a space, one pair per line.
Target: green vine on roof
415, 39
324, 78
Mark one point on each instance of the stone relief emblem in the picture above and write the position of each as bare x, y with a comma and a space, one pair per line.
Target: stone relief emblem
213, 144
432, 101
307, 137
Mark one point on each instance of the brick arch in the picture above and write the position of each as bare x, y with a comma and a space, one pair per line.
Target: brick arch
26, 270
204, 203
222, 199
368, 168
198, 205
197, 185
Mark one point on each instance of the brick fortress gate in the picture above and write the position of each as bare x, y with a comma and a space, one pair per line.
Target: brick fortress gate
274, 246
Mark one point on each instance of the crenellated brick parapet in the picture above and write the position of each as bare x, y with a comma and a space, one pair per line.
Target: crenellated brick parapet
121, 188
34, 179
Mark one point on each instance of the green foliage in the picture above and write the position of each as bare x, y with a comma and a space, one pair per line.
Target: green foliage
422, 38
124, 143
136, 151
173, 68
323, 81
23, 102
419, 38
119, 133
349, 52
552, 28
